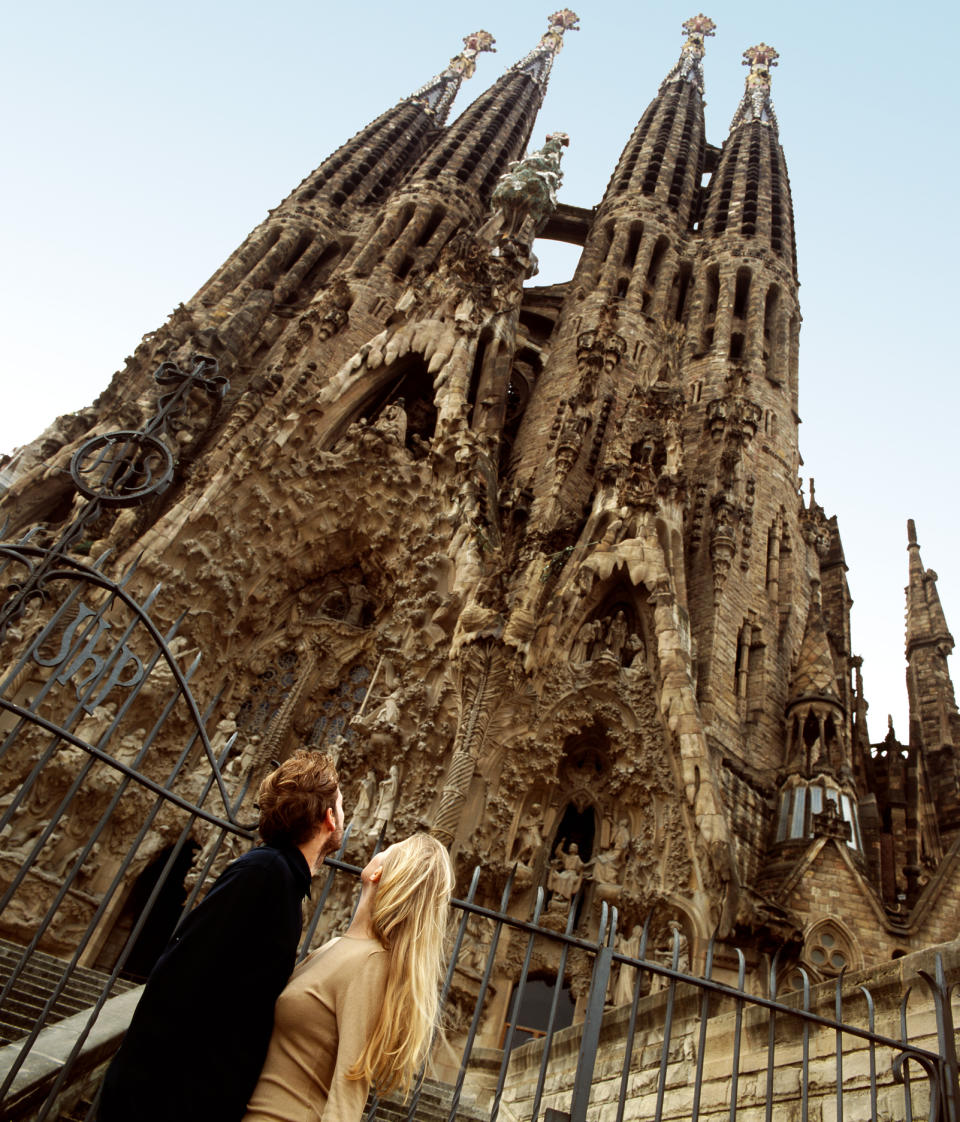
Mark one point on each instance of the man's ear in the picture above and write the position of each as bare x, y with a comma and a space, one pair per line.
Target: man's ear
330, 820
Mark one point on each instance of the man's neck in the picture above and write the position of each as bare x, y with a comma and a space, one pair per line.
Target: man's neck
314, 849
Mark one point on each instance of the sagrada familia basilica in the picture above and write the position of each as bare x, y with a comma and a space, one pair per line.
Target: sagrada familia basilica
532, 561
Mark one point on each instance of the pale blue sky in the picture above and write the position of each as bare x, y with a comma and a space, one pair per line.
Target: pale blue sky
144, 142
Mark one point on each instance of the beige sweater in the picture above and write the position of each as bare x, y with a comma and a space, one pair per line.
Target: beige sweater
323, 1020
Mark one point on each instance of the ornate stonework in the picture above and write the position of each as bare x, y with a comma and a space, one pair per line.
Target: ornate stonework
532, 562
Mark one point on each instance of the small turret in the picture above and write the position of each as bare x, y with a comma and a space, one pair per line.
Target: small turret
933, 707
818, 797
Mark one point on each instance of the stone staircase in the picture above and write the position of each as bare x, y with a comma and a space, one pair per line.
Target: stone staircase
20, 1011
434, 1106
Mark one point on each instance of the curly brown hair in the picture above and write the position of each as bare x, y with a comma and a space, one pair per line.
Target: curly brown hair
294, 799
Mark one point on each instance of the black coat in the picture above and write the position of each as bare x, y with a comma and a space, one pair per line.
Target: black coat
199, 1035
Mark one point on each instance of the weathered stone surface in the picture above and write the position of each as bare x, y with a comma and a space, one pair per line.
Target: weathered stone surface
534, 563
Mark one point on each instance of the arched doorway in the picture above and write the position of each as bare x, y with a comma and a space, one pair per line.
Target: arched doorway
161, 921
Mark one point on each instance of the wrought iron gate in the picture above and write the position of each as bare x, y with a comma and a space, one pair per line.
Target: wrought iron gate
108, 769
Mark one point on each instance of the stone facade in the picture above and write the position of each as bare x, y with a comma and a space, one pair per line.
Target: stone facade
534, 562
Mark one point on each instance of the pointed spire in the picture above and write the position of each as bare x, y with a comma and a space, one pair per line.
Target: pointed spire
926, 623
540, 60
689, 67
815, 674
438, 94
756, 104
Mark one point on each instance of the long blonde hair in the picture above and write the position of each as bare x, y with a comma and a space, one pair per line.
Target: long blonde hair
409, 918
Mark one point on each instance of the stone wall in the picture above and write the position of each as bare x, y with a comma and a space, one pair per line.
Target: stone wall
888, 985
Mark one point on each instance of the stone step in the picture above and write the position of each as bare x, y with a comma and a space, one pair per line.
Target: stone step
34, 984
433, 1106
48, 963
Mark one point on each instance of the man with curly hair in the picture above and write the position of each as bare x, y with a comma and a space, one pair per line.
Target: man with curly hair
200, 1032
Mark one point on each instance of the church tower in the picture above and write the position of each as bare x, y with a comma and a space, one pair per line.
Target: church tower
534, 562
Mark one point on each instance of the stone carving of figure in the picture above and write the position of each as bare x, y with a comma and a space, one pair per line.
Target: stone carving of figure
569, 443
129, 747
387, 713
248, 757
664, 954
616, 637
386, 801
161, 680
636, 651
627, 975
363, 808
473, 951
583, 644
389, 710
92, 728
565, 877
529, 839
673, 443
359, 598
610, 865
224, 730
392, 423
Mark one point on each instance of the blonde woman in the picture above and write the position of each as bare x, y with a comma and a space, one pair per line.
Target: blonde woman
362, 1009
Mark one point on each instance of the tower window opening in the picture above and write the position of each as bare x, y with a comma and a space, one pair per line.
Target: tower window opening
774, 342
436, 217
736, 345
479, 359
623, 286
403, 270
656, 260
770, 310
326, 261
741, 293
633, 245
712, 298
682, 286
740, 664
403, 220
303, 243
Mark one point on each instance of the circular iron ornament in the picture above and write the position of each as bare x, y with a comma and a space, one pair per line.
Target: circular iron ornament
122, 468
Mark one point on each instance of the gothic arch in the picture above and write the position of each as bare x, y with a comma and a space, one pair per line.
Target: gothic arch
407, 380
829, 947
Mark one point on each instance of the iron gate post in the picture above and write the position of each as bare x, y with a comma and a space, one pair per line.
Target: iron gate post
590, 1038
950, 1101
